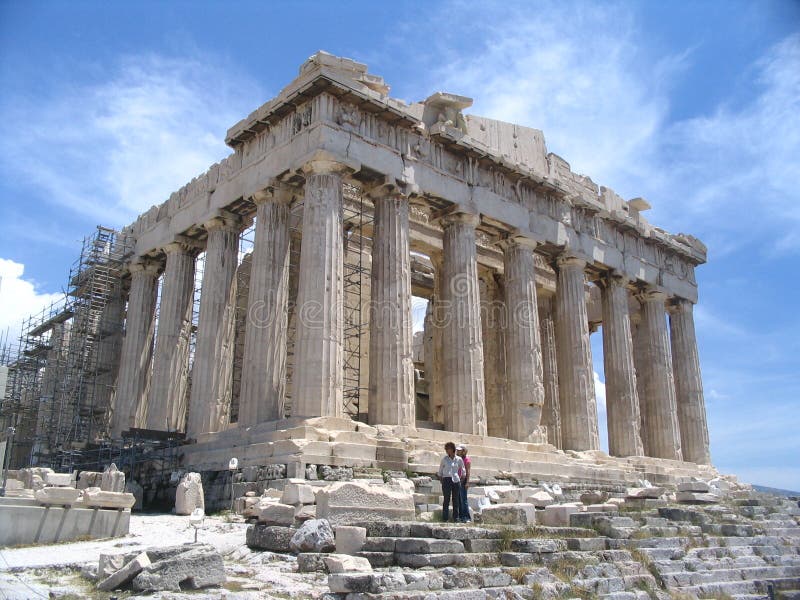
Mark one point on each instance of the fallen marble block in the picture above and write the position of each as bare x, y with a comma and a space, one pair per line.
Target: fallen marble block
272, 538
314, 535
198, 567
297, 493
58, 479
96, 498
275, 513
648, 492
125, 574
509, 514
696, 498
343, 563
694, 486
112, 479
348, 502
57, 496
350, 540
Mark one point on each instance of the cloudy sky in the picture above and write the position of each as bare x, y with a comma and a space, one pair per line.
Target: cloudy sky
108, 107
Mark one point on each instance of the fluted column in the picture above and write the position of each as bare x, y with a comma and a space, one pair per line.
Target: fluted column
578, 406
391, 365
263, 386
688, 383
213, 360
657, 402
464, 399
133, 380
493, 333
166, 410
551, 415
438, 315
622, 399
319, 349
523, 347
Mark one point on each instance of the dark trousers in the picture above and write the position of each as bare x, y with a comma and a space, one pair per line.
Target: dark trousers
464, 504
451, 488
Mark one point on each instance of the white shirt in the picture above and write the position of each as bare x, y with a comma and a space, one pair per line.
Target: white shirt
451, 467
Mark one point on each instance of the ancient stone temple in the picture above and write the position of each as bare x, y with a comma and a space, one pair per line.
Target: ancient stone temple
299, 349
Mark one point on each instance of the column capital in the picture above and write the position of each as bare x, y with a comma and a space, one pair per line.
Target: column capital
144, 266
613, 279
676, 305
276, 191
650, 294
224, 220
460, 217
515, 240
568, 259
327, 166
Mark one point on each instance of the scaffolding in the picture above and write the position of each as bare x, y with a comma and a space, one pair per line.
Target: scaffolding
61, 381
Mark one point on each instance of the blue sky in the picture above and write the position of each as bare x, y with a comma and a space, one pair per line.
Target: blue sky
108, 107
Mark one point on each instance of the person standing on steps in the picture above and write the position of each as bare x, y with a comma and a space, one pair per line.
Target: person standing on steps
461, 451
450, 476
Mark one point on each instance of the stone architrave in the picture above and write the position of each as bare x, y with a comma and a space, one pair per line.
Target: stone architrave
688, 383
464, 393
263, 389
493, 333
622, 399
577, 403
391, 365
523, 347
137, 349
657, 394
551, 418
317, 389
166, 410
213, 361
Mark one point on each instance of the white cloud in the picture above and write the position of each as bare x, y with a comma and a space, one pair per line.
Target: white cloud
599, 392
112, 149
19, 298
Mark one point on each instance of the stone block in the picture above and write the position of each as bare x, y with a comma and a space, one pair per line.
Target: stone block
418, 561
593, 497
189, 494
297, 493
518, 559
344, 563
304, 512
58, 479
57, 496
310, 562
314, 535
348, 583
694, 486
696, 498
428, 546
96, 498
275, 513
509, 514
350, 502
539, 499
264, 537
602, 508
648, 492
482, 545
14, 485
125, 574
350, 540
108, 564
379, 544
586, 544
538, 545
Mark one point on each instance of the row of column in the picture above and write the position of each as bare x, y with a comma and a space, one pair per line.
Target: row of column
547, 383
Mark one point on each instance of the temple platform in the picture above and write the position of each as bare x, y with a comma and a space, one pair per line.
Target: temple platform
342, 442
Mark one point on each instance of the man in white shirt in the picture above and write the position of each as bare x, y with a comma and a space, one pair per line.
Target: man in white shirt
450, 470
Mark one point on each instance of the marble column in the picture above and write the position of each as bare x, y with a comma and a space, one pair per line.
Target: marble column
493, 333
551, 418
166, 409
688, 383
577, 402
622, 399
438, 320
133, 379
524, 371
657, 400
210, 398
463, 393
263, 384
391, 365
319, 349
